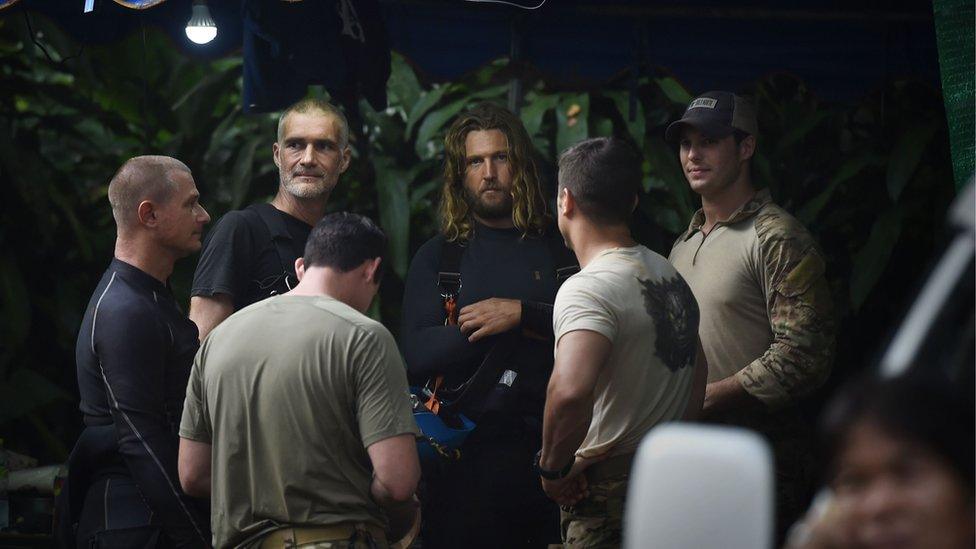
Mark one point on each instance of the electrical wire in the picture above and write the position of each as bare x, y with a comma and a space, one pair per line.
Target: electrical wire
33, 35
513, 4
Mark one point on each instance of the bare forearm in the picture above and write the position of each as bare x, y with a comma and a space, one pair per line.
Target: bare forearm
208, 312
194, 468
726, 395
396, 470
387, 496
566, 422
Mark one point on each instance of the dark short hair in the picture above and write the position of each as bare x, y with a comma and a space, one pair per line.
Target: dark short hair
604, 175
924, 409
343, 241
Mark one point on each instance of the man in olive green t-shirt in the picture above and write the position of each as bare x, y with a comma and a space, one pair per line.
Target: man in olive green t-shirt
297, 418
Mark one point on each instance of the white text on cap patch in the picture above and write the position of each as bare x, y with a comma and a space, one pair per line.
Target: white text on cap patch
703, 103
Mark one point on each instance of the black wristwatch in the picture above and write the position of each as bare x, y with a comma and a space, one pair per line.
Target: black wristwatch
550, 475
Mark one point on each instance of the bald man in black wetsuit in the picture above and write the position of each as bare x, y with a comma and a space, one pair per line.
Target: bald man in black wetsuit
511, 261
134, 352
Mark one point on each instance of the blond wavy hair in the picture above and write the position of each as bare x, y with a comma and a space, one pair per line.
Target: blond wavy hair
529, 211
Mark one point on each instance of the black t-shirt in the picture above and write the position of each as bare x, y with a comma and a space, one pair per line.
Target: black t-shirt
240, 259
133, 355
495, 263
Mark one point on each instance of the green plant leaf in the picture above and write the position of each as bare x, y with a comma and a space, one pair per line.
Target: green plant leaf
637, 127
433, 123
420, 108
601, 127
241, 174
872, 259
905, 157
403, 86
568, 132
799, 129
673, 90
850, 168
495, 92
534, 111
664, 166
663, 216
394, 205
24, 392
15, 305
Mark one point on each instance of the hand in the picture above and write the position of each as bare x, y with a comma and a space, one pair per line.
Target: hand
401, 519
573, 487
489, 317
725, 395
566, 491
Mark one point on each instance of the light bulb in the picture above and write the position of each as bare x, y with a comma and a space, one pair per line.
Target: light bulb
201, 28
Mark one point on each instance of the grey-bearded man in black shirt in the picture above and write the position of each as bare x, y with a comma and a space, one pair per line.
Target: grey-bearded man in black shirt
250, 254
496, 229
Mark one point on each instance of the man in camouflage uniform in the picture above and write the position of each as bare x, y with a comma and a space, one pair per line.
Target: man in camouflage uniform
767, 325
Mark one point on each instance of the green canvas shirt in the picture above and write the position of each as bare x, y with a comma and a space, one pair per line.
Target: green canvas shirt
289, 392
766, 313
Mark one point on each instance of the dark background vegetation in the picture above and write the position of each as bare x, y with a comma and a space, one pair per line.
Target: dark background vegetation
871, 178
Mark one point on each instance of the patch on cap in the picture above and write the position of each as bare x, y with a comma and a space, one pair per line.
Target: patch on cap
703, 103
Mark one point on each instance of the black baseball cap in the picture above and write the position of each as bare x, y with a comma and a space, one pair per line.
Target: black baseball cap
716, 114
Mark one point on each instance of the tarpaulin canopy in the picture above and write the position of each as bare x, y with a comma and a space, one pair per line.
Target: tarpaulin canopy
842, 50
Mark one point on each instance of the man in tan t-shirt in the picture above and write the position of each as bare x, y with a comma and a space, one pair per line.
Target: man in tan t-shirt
767, 327
297, 418
626, 332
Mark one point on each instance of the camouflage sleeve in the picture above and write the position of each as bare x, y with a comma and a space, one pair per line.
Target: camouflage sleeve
800, 312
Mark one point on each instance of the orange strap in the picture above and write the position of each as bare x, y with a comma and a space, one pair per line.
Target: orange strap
433, 403
450, 307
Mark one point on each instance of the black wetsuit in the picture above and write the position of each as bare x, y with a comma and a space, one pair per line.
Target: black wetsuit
491, 497
134, 353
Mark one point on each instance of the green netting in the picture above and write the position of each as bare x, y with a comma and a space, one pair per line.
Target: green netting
954, 21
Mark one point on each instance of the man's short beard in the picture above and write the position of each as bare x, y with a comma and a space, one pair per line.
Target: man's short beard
306, 191
501, 210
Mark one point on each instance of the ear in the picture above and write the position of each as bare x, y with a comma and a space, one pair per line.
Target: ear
372, 269
566, 202
636, 202
275, 150
346, 158
146, 213
747, 148
300, 268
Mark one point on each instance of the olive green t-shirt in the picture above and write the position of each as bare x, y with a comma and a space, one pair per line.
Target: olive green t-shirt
289, 392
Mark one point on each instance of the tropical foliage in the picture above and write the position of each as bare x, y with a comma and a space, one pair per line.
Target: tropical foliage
871, 179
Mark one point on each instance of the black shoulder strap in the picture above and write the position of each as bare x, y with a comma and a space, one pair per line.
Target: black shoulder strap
274, 229
563, 259
449, 270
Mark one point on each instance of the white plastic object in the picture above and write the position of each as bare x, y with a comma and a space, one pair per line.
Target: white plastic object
696, 486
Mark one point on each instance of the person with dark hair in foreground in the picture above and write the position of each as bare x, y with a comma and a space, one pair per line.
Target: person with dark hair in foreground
627, 351
297, 420
134, 352
901, 468
481, 288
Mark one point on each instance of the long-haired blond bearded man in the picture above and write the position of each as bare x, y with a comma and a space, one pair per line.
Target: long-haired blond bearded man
495, 222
